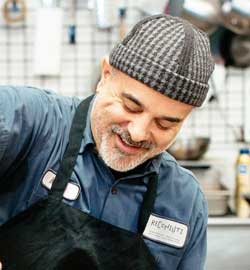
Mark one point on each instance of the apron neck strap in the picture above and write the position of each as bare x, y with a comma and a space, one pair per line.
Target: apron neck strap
148, 202
70, 155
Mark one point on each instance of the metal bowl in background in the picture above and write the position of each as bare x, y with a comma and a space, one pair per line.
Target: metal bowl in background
205, 14
235, 16
189, 148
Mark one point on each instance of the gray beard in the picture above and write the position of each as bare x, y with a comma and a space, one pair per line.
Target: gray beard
117, 160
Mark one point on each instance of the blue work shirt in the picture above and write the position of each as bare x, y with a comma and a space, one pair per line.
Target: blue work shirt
34, 130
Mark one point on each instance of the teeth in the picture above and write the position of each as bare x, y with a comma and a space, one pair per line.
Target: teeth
129, 144
126, 142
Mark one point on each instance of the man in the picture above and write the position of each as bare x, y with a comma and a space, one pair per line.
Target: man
138, 208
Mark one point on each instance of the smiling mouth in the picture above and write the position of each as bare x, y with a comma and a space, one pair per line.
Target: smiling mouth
125, 147
127, 143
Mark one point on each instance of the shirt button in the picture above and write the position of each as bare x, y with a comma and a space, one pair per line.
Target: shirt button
114, 190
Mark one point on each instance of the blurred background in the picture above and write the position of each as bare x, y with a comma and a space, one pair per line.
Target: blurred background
58, 45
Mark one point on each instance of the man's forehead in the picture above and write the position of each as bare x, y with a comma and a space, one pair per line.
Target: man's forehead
146, 95
159, 105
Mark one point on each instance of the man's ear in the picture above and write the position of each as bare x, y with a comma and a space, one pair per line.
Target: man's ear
106, 72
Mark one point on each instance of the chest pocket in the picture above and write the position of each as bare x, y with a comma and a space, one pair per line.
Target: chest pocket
167, 257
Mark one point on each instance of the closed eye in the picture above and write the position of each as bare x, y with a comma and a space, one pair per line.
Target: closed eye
131, 106
164, 124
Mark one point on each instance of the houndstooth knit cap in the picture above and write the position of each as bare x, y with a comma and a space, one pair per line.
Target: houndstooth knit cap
169, 55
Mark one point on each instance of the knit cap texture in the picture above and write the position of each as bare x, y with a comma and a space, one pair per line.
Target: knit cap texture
169, 55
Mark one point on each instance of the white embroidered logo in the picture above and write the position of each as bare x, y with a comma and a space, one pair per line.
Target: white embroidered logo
166, 231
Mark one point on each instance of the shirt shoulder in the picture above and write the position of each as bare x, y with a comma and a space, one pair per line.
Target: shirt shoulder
180, 193
180, 202
32, 100
32, 118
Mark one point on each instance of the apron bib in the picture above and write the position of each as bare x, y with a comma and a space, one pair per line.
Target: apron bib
51, 235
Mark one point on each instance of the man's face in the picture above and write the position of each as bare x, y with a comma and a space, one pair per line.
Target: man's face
131, 122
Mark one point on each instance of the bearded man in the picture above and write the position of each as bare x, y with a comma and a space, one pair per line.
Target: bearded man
88, 184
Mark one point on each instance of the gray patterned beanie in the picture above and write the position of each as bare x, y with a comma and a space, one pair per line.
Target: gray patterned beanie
169, 55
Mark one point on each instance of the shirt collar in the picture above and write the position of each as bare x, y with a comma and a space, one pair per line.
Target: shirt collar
151, 166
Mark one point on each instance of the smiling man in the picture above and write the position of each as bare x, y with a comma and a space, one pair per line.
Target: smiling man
88, 184
132, 122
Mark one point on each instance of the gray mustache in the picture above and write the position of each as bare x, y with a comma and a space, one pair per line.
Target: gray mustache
124, 134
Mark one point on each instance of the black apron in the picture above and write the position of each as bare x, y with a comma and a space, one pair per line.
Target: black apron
53, 235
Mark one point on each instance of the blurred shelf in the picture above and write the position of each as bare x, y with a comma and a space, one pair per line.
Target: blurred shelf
228, 221
195, 164
208, 162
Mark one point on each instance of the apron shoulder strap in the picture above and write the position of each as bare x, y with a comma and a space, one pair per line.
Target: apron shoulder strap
70, 155
147, 206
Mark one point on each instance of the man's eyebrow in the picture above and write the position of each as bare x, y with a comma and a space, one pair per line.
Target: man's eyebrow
167, 118
132, 98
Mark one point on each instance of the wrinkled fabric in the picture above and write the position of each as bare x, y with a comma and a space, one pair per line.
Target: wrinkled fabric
43, 237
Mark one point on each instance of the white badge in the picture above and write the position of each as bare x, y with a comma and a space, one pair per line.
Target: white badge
166, 231
72, 190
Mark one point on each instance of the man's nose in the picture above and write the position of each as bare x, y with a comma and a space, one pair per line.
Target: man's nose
139, 129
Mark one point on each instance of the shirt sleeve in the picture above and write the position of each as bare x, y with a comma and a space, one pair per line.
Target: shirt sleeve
3, 131
19, 111
29, 119
195, 253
